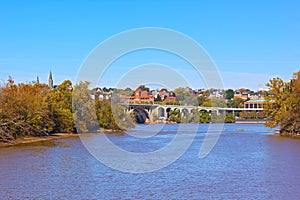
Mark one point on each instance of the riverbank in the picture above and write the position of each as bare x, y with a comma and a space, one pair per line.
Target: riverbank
287, 135
240, 121
27, 140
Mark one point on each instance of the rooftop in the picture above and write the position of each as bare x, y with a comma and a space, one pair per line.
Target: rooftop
256, 101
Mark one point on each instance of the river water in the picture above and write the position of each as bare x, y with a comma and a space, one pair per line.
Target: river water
248, 162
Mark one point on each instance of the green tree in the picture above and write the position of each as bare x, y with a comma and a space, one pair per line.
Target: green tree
121, 120
158, 99
229, 94
181, 94
128, 91
175, 116
216, 117
105, 115
205, 117
236, 102
195, 117
218, 102
84, 108
185, 98
230, 118
200, 100
207, 103
60, 105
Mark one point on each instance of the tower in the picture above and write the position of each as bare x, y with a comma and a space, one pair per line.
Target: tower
50, 80
260, 87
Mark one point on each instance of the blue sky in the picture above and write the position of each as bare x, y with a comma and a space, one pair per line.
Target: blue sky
250, 41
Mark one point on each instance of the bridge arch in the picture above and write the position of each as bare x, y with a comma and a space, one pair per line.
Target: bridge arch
140, 115
168, 110
204, 110
161, 112
184, 112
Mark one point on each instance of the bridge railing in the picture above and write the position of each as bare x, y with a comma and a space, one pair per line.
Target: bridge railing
197, 107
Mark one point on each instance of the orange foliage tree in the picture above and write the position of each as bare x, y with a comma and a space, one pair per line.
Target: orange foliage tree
24, 110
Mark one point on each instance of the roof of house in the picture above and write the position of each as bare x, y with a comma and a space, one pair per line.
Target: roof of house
256, 101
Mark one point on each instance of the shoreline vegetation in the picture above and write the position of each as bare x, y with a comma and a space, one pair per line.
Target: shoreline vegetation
282, 106
39, 110
55, 136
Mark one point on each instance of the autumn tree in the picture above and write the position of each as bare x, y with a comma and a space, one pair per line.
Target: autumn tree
229, 118
185, 98
282, 105
207, 103
214, 102
24, 110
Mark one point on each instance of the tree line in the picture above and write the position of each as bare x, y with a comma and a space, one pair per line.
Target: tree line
193, 98
35, 109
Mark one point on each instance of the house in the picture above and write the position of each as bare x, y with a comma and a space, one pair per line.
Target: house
242, 93
171, 97
296, 75
141, 96
254, 103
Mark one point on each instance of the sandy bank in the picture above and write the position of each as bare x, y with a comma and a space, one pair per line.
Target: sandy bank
37, 139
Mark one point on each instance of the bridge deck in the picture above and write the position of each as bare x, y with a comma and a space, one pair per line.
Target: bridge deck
195, 107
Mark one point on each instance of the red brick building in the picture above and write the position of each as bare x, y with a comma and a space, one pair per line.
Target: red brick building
141, 97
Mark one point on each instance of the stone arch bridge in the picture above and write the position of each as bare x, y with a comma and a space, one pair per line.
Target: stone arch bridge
148, 111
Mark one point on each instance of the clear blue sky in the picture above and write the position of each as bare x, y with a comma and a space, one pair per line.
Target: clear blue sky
250, 41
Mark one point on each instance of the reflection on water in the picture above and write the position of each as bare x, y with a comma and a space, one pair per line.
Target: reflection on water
247, 163
48, 143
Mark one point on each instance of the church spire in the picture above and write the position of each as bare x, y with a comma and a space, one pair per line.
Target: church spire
50, 81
